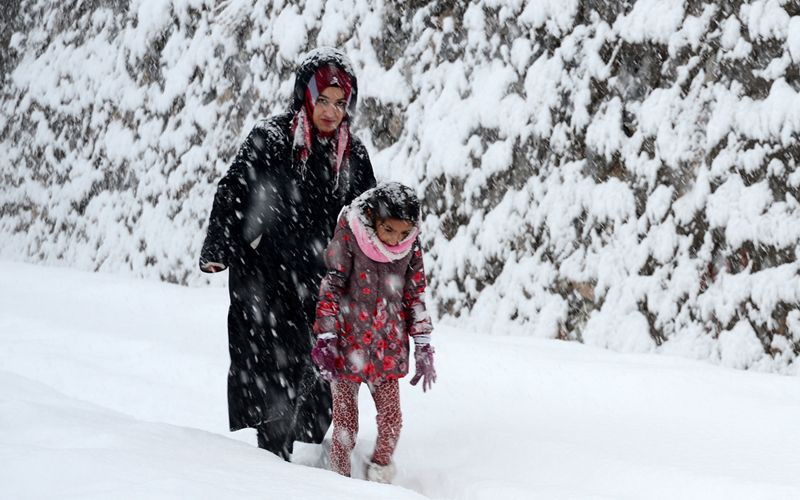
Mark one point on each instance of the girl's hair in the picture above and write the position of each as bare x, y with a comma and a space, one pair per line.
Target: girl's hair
392, 200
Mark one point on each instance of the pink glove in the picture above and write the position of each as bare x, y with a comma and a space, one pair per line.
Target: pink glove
324, 356
423, 355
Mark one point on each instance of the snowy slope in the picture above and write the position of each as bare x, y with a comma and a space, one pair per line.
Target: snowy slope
115, 388
55, 446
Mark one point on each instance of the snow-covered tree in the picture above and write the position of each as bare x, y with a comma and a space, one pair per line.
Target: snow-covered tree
620, 173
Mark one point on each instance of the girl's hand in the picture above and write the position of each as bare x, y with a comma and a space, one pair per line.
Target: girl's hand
324, 355
423, 355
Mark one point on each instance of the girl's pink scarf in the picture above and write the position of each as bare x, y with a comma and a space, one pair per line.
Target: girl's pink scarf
372, 246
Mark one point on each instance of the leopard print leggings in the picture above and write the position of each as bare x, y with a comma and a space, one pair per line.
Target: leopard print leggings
345, 422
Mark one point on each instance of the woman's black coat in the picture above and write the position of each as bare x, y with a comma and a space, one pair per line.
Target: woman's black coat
270, 225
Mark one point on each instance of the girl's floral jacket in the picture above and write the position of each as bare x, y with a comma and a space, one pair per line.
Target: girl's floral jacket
373, 306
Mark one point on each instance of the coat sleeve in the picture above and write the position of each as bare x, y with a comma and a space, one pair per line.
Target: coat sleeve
227, 234
339, 263
418, 321
222, 243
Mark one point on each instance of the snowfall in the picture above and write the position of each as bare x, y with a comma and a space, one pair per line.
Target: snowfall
113, 387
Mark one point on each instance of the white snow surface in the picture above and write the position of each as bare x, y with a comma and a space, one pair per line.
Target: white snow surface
113, 387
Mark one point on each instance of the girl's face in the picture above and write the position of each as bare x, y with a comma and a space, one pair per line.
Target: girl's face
329, 110
393, 231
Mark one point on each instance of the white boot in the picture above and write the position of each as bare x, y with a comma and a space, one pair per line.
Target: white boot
381, 473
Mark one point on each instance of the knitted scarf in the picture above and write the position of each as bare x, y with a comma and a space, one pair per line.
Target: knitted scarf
371, 245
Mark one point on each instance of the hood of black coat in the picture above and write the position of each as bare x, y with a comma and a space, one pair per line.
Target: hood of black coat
309, 65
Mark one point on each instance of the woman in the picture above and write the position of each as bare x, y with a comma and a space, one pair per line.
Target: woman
273, 215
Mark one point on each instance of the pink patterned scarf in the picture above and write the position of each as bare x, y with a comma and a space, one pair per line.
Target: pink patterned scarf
371, 245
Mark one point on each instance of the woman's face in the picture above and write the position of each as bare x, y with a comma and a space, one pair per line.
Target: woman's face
329, 110
393, 231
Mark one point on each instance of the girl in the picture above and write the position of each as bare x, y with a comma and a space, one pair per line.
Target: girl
371, 300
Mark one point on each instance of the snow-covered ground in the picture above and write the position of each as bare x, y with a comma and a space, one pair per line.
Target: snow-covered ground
112, 387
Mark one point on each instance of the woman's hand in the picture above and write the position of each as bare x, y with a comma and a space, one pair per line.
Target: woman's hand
211, 267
